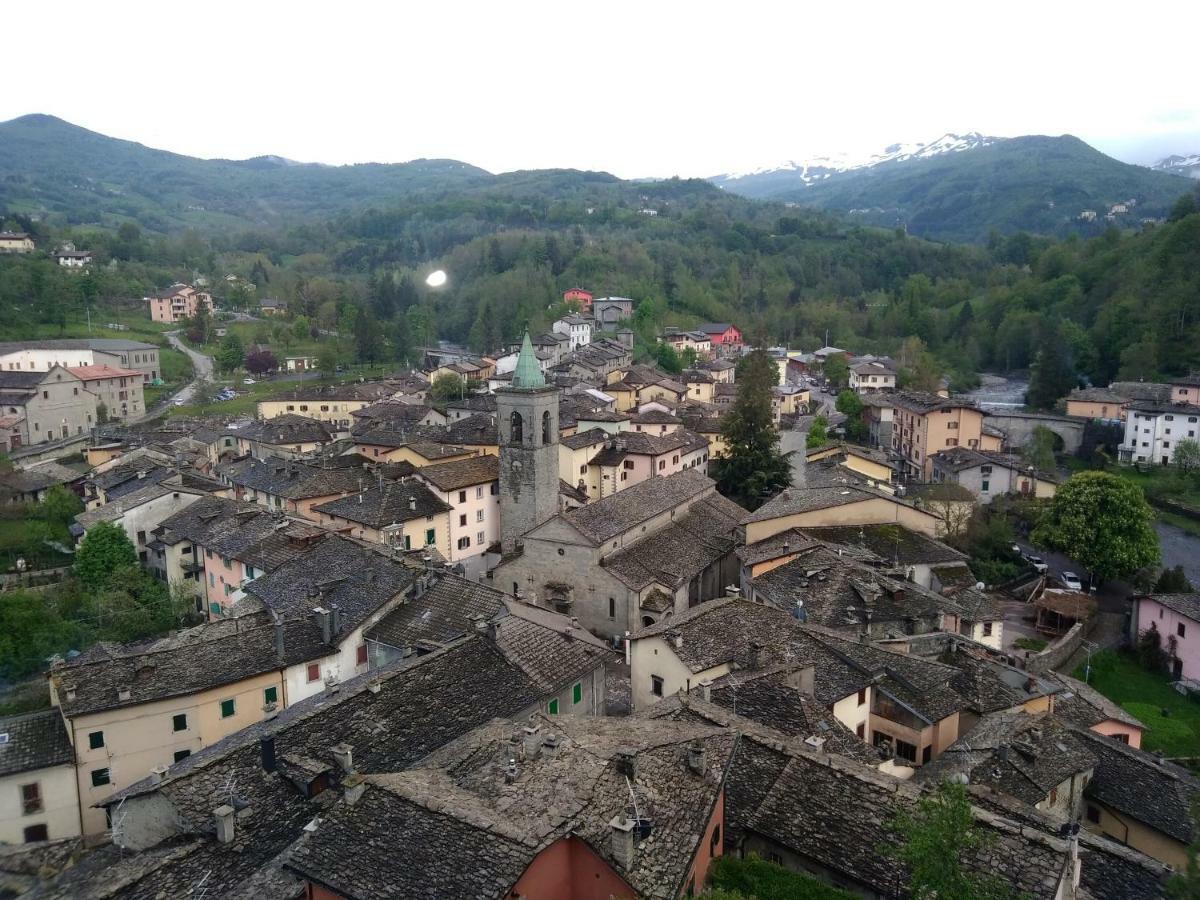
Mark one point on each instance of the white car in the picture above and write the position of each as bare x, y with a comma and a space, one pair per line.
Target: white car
247, 381
179, 401
1071, 580
1039, 564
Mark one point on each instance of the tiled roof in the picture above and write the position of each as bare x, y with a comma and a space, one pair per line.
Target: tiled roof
894, 544
391, 504
34, 741
922, 402
1095, 395
462, 473
115, 509
582, 439
356, 578
1141, 390
675, 554
461, 794
793, 501
550, 648
287, 429
1082, 705
617, 513
1142, 786
1185, 604
290, 479
447, 611
96, 372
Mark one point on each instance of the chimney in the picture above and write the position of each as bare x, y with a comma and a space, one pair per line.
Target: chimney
344, 757
758, 656
279, 654
1030, 684
621, 828
335, 614
70, 693
123, 692
374, 685
322, 618
733, 592
223, 819
266, 747
627, 763
532, 741
157, 774
696, 758
676, 640
550, 746
706, 690
510, 772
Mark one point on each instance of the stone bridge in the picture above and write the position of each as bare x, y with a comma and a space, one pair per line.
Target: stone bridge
1018, 427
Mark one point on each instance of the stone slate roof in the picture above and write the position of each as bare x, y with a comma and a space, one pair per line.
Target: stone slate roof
793, 501
934, 490
290, 479
1083, 706
988, 685
287, 429
675, 554
1142, 786
654, 417
1142, 390
1096, 395
394, 413
420, 705
34, 741
550, 648
184, 663
610, 516
894, 544
356, 578
28, 481
574, 789
115, 509
1185, 604
390, 504
780, 793
445, 612
922, 402
582, 439
219, 524
1015, 753
462, 473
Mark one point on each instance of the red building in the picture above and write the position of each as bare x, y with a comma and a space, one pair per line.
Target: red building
722, 334
580, 296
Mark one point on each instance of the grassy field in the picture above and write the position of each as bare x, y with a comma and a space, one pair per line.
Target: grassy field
1028, 643
246, 402
1172, 720
137, 322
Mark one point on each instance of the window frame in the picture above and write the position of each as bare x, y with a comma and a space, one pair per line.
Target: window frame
232, 708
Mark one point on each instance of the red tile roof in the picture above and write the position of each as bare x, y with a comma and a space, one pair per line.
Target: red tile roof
91, 373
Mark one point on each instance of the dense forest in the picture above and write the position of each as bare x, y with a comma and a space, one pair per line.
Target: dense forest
1122, 305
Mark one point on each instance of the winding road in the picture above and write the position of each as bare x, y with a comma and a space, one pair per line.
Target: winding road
202, 367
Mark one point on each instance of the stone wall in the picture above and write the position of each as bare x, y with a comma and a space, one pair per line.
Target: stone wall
1058, 652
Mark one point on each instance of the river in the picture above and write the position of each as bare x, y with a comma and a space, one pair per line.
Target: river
1179, 549
999, 391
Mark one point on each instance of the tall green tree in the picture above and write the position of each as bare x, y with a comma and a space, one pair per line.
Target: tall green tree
1052, 374
230, 355
1103, 522
752, 467
851, 406
818, 433
368, 342
837, 370
937, 842
105, 550
447, 387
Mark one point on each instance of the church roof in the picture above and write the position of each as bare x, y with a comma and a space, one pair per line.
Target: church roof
528, 374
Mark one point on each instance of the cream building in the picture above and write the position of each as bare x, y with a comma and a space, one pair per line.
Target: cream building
120, 390
39, 799
46, 406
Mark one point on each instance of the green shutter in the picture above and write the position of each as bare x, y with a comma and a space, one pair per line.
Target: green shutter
552, 708
577, 692
430, 537
228, 708
407, 542
271, 695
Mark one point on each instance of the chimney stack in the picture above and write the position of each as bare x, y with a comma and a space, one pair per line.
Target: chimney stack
279, 653
123, 693
532, 742
733, 592
758, 656
354, 785
696, 758
266, 746
343, 756
550, 746
223, 819
157, 774
706, 690
622, 828
627, 763
322, 618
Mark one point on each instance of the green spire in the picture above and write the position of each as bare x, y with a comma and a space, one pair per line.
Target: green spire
528, 374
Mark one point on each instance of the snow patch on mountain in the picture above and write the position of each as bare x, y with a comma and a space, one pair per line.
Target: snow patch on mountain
1180, 165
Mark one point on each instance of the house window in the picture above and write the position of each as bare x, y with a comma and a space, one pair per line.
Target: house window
179, 722
861, 731
313, 673
228, 708
1093, 814
583, 469
430, 537
31, 799
495, 488
479, 515
716, 838
479, 493
656, 686
360, 655
987, 629
181, 755
552, 707
270, 695
577, 692
100, 777
1181, 630
906, 750
479, 539
1120, 738
462, 521
462, 496
464, 543
662, 464
985, 486
96, 740
36, 833
628, 463
862, 696
612, 607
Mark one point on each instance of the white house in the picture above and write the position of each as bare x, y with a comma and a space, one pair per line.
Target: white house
577, 328
871, 376
1153, 431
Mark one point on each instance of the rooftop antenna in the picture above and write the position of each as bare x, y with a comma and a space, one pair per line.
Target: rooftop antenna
201, 888
117, 831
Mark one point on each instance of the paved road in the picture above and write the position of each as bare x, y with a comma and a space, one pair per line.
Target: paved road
202, 367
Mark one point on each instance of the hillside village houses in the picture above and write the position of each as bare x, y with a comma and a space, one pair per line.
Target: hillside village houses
15, 242
414, 613
178, 302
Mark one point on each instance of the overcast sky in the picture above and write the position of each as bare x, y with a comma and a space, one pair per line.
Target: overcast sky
647, 88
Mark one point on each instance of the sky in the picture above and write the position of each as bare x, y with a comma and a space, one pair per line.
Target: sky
640, 89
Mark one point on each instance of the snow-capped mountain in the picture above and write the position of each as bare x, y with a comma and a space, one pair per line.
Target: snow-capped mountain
819, 168
1180, 165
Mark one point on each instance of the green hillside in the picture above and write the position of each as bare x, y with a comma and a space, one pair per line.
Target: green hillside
52, 167
1038, 184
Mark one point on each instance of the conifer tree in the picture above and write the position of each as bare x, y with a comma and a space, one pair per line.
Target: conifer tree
753, 468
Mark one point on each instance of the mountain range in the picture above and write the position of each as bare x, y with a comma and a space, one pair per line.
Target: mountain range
962, 187
955, 188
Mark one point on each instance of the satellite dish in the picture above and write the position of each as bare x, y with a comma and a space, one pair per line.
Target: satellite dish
436, 278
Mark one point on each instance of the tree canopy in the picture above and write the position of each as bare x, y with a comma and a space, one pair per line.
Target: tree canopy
1102, 521
105, 549
752, 468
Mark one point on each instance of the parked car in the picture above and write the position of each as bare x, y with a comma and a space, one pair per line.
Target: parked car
1039, 564
179, 401
1071, 580
1016, 548
247, 381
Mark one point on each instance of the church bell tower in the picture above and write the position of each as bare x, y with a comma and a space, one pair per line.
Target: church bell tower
527, 421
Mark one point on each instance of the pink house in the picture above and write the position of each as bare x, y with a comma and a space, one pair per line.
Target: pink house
722, 334
580, 296
1176, 617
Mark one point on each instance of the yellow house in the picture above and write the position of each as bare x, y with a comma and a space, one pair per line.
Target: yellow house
418, 453
700, 386
1097, 403
838, 505
927, 423
405, 515
39, 793
324, 409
